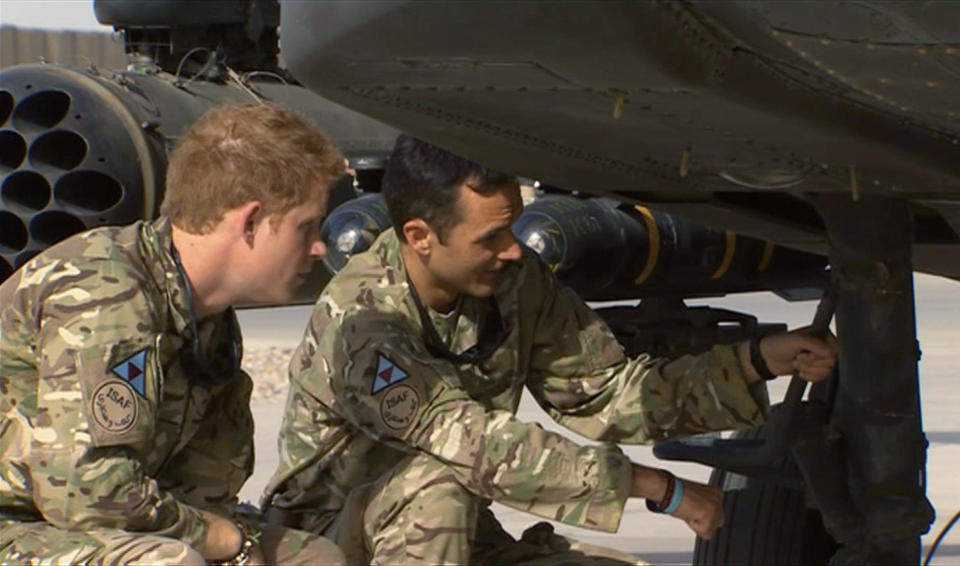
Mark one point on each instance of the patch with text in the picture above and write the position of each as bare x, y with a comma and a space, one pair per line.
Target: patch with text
399, 406
114, 407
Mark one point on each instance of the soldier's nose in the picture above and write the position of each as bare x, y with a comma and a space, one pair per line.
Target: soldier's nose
318, 250
513, 251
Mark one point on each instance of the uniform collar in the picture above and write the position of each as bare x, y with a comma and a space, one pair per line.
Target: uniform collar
159, 255
157, 246
387, 250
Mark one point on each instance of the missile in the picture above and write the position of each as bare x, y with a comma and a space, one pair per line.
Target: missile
352, 227
607, 250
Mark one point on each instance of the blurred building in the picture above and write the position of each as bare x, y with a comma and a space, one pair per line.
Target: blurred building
79, 48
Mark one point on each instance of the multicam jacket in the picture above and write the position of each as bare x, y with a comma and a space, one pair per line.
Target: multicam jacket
365, 391
101, 425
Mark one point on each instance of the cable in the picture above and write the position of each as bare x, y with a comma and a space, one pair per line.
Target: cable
233, 76
210, 56
936, 543
245, 78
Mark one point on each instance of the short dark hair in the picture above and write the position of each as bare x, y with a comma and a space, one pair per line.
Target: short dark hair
422, 181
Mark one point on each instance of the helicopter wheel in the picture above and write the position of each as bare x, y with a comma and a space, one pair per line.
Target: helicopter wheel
766, 524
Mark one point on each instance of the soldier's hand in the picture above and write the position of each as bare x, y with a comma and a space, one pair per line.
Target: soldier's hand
798, 351
223, 537
701, 508
787, 352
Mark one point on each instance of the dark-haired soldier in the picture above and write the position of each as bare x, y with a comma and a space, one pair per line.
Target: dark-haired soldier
125, 426
400, 428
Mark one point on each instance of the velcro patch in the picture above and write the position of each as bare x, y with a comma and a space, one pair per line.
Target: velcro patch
399, 406
114, 407
131, 370
388, 373
118, 396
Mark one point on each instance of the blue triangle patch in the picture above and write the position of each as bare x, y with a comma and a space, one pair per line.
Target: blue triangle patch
388, 373
132, 370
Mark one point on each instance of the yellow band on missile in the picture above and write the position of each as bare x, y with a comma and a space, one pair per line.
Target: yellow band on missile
653, 236
727, 256
767, 256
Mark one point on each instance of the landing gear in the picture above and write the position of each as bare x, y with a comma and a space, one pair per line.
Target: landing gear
858, 443
874, 426
766, 523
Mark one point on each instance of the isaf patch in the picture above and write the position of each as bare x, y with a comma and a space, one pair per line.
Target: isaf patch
117, 391
131, 370
114, 407
388, 373
399, 406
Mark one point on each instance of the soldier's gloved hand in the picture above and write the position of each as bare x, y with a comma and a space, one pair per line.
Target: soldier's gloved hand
782, 354
701, 508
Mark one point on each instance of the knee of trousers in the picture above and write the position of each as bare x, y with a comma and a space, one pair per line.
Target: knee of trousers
422, 487
448, 491
191, 557
429, 482
42, 542
153, 550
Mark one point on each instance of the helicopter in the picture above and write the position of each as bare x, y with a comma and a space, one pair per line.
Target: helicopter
700, 148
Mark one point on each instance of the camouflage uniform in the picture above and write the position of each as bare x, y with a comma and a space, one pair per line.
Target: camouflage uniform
395, 452
108, 445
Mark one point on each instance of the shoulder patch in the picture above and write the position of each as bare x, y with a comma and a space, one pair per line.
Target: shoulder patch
399, 406
388, 373
114, 407
131, 370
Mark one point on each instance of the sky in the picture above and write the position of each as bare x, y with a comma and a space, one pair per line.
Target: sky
51, 14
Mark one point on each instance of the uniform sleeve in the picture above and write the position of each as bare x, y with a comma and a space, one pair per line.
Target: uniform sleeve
210, 470
392, 389
582, 379
96, 404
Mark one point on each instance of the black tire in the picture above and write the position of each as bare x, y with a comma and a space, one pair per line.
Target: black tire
766, 525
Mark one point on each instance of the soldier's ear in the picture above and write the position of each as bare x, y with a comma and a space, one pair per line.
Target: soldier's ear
418, 235
250, 216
